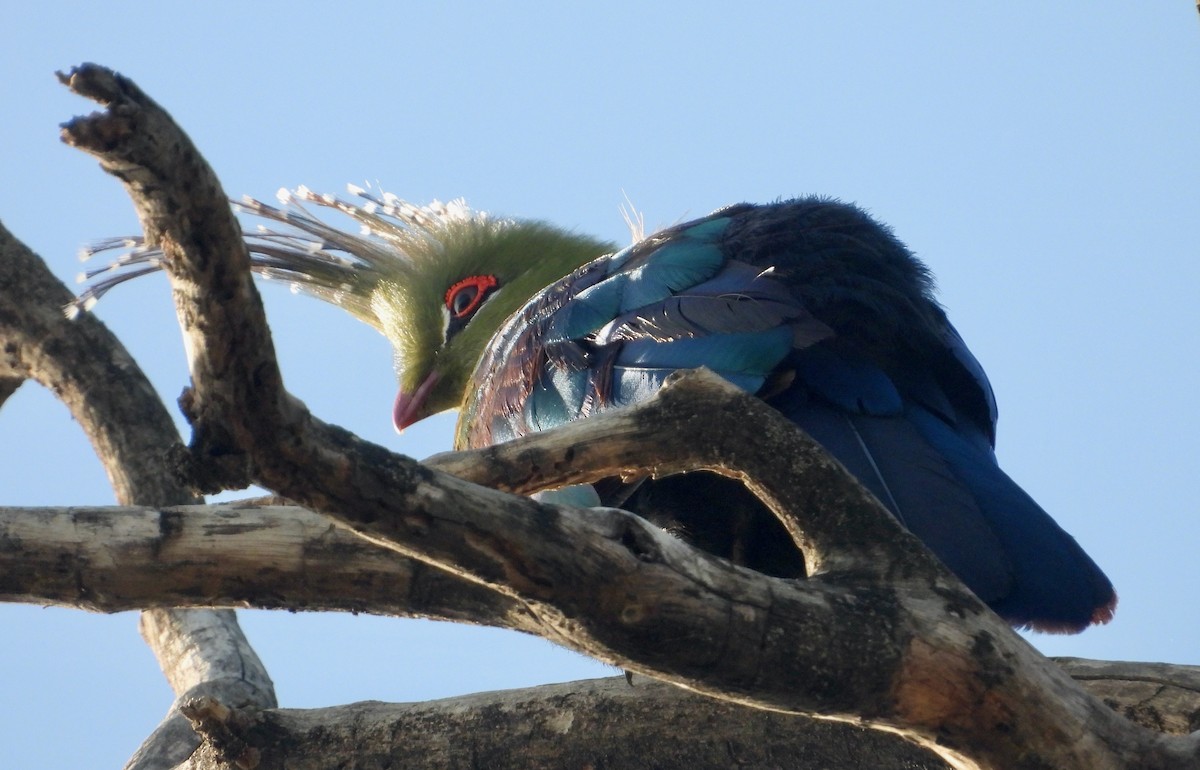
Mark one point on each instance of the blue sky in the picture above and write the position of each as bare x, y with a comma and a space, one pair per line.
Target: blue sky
1042, 158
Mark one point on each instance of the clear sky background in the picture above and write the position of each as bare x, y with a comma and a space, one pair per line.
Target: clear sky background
1043, 158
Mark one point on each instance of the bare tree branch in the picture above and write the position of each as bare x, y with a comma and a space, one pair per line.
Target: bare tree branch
8, 386
943, 670
273, 557
1160, 696
597, 723
232, 555
578, 724
91, 372
203, 654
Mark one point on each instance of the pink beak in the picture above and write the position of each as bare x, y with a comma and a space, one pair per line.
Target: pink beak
409, 407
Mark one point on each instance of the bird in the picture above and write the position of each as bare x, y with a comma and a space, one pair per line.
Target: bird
809, 303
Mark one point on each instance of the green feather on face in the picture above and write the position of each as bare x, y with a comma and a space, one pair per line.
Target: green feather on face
440, 316
436, 280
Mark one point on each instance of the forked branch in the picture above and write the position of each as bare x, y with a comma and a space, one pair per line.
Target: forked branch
879, 633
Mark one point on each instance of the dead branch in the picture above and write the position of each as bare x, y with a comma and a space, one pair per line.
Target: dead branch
232, 555
578, 724
943, 670
568, 725
133, 435
284, 557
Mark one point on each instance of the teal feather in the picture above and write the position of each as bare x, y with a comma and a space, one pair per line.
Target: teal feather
588, 310
752, 353
820, 311
675, 266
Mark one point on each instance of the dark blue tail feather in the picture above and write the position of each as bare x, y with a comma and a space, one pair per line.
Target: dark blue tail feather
1052, 576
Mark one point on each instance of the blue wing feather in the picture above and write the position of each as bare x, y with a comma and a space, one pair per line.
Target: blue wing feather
675, 266
632, 384
588, 310
755, 353
855, 385
913, 479
984, 400
821, 311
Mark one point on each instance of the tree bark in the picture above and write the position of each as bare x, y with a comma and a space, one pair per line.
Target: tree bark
601, 723
247, 554
880, 634
607, 584
89, 370
233, 555
592, 724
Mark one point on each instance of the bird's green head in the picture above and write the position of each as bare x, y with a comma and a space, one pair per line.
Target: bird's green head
440, 315
436, 280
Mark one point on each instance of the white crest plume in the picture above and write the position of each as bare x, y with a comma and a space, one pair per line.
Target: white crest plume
316, 258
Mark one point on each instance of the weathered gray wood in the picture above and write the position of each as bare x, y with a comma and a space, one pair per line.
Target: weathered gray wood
232, 555
880, 632
598, 723
284, 556
595, 723
1161, 696
133, 435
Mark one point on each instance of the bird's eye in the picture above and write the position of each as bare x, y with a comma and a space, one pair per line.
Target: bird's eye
465, 297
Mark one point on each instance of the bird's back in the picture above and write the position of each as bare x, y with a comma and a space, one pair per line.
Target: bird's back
822, 312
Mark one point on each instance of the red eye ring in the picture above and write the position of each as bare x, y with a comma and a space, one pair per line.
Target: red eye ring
465, 297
